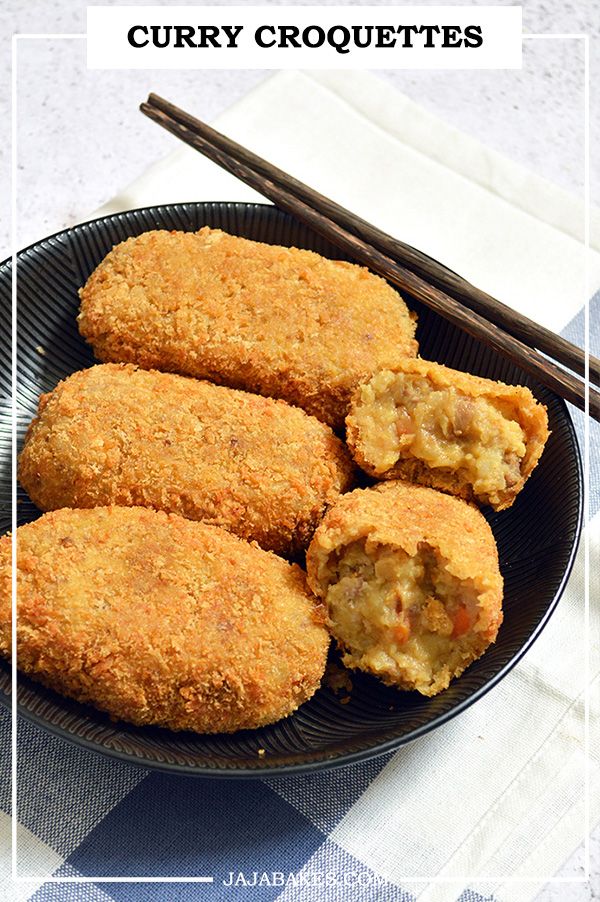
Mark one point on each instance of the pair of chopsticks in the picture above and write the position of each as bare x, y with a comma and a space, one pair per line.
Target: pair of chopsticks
511, 334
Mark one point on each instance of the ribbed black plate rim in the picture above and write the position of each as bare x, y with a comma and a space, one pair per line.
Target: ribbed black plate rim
263, 767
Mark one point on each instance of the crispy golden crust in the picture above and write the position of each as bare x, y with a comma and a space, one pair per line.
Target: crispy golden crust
397, 515
529, 413
114, 434
160, 620
278, 321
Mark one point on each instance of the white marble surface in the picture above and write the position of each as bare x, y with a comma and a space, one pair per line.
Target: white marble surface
80, 140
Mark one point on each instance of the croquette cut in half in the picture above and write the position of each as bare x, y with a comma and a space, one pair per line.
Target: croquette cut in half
426, 423
277, 321
160, 620
411, 583
115, 434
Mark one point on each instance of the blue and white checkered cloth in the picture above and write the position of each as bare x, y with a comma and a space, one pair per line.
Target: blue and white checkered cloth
492, 798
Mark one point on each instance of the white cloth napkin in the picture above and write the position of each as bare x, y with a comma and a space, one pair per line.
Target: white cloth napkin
499, 792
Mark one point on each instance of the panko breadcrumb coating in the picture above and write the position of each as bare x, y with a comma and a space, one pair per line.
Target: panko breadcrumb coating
115, 434
411, 582
426, 423
160, 620
278, 321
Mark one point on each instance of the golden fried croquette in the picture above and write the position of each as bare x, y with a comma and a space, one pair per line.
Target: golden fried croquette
115, 434
411, 582
465, 435
278, 321
160, 620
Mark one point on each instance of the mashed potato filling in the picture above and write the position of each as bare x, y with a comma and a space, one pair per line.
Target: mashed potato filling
403, 416
405, 619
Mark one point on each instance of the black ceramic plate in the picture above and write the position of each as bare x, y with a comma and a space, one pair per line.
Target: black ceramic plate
537, 537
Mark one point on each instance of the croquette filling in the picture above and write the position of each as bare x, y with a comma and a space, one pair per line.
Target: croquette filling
404, 618
402, 416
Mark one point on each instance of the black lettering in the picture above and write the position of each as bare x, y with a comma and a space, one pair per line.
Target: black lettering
429, 31
132, 39
473, 36
385, 36
451, 36
406, 32
288, 35
340, 46
232, 32
184, 36
258, 35
209, 34
156, 39
320, 36
362, 42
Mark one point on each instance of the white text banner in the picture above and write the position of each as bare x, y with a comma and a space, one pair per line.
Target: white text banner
304, 37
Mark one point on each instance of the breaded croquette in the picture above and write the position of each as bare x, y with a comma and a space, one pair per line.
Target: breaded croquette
115, 434
160, 620
278, 321
436, 426
411, 583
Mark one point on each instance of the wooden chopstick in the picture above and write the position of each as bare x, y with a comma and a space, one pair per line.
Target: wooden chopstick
561, 382
526, 330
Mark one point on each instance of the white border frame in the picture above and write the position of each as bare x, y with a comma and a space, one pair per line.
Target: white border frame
586, 471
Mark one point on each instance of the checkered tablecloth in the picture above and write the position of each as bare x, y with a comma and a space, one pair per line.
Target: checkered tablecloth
496, 795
